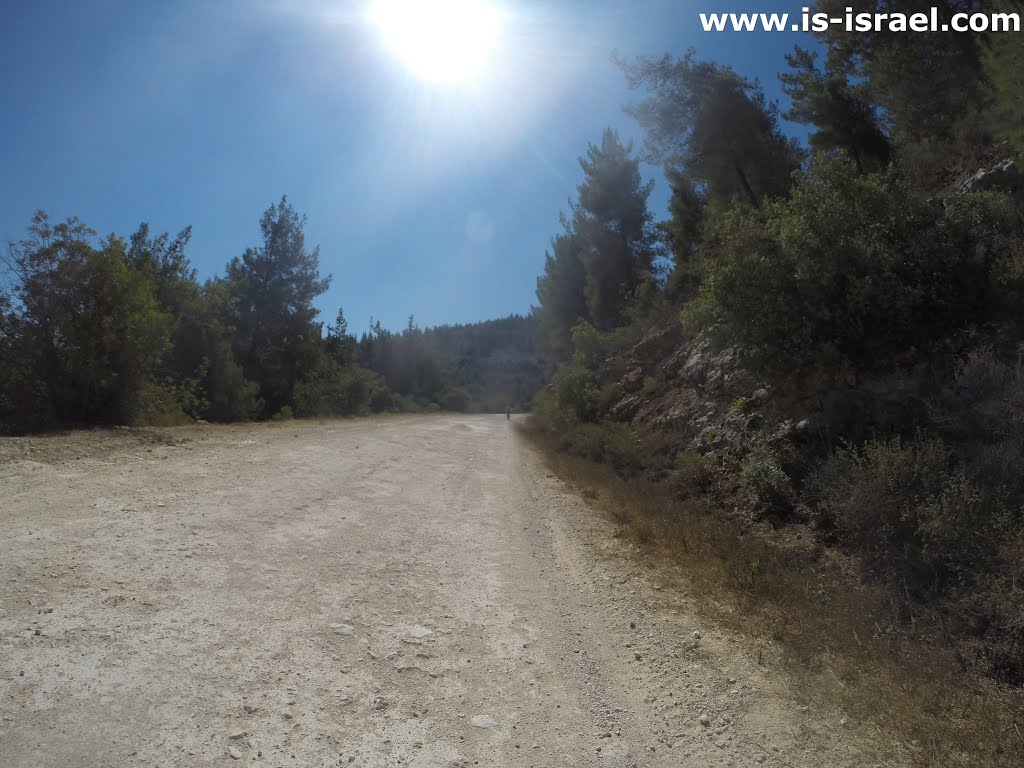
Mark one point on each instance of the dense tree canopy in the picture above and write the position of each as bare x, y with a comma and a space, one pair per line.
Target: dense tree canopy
714, 126
598, 267
840, 113
120, 331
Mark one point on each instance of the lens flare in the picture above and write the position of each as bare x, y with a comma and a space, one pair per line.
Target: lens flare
440, 41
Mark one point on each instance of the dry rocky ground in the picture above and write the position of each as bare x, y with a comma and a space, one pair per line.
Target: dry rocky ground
408, 591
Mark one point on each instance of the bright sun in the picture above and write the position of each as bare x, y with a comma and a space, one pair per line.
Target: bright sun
442, 41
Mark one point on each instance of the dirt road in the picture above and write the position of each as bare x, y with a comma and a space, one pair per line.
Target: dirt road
410, 591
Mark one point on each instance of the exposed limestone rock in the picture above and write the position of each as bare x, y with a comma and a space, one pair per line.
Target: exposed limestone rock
1006, 175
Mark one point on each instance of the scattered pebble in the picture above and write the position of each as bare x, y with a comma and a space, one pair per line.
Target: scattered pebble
483, 721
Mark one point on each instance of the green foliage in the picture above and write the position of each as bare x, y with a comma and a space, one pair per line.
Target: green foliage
589, 344
576, 393
764, 484
333, 389
714, 126
163, 404
1003, 61
89, 325
492, 363
613, 229
561, 293
15, 394
118, 331
203, 352
600, 269
285, 414
628, 451
738, 406
913, 512
272, 289
929, 87
928, 84
841, 113
455, 400
341, 346
682, 233
856, 268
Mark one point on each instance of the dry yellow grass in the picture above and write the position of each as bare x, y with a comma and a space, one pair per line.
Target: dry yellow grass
841, 638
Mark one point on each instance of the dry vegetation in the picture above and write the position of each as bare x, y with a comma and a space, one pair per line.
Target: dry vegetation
844, 640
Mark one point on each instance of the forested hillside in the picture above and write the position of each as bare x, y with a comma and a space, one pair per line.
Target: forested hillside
821, 337
814, 365
120, 331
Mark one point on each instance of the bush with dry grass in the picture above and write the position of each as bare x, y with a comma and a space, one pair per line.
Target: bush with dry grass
843, 640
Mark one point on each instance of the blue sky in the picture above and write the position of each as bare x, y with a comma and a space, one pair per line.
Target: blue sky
437, 201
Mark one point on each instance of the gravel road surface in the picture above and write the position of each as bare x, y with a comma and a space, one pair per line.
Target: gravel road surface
406, 591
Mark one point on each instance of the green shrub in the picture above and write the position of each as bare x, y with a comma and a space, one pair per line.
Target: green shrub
576, 393
331, 389
608, 395
586, 440
592, 347
912, 511
739, 406
764, 484
285, 414
627, 450
857, 269
164, 404
455, 399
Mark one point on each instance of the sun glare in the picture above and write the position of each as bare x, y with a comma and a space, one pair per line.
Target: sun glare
441, 41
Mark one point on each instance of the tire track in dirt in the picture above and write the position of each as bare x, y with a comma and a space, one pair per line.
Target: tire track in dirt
409, 591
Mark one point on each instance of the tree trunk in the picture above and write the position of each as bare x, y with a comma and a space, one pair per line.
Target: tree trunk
746, 186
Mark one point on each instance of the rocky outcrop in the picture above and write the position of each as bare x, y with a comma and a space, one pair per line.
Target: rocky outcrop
1006, 176
702, 393
694, 389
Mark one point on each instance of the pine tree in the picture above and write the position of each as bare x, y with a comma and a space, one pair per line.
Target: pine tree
841, 114
273, 288
613, 229
714, 126
929, 85
561, 292
682, 233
